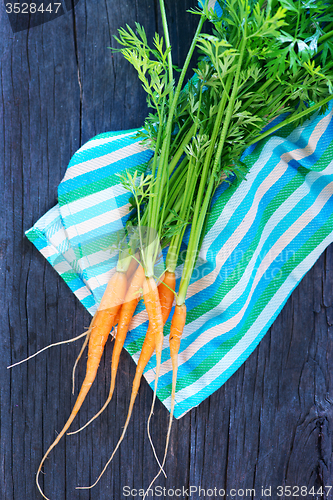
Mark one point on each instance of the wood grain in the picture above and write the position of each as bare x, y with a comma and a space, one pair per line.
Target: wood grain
269, 425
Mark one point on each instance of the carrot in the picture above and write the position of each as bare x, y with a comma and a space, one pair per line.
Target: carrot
100, 328
176, 331
125, 316
126, 313
84, 345
166, 299
166, 295
165, 291
129, 275
154, 310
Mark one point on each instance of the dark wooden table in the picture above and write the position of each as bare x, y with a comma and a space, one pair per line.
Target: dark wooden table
270, 425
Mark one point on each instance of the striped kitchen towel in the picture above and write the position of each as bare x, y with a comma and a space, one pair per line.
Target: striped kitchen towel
262, 236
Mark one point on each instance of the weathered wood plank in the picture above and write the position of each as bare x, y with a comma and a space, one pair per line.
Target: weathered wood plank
271, 423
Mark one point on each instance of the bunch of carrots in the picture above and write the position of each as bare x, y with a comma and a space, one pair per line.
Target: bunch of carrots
263, 59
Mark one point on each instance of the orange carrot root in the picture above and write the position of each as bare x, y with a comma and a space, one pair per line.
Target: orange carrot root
165, 299
100, 328
125, 316
84, 345
154, 310
146, 353
176, 331
166, 293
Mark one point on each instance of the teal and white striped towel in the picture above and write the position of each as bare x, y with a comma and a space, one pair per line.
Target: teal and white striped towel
263, 235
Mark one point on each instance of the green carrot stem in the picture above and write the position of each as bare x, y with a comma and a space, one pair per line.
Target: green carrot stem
295, 116
195, 230
162, 171
167, 42
157, 147
323, 38
193, 170
175, 140
177, 183
166, 141
124, 260
180, 150
158, 140
177, 190
175, 244
176, 207
202, 207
